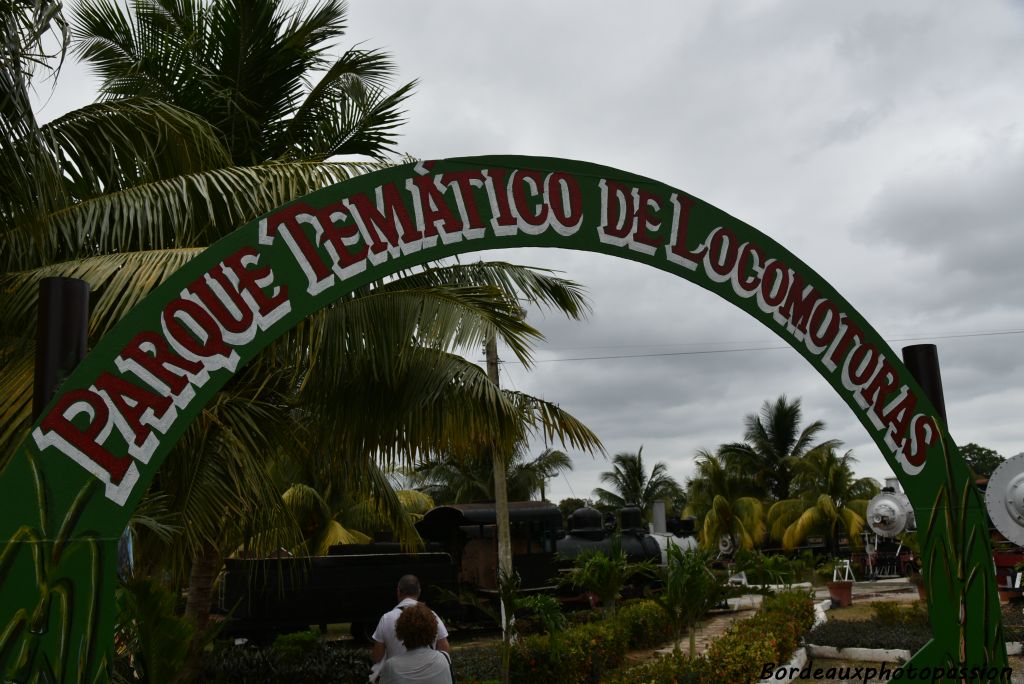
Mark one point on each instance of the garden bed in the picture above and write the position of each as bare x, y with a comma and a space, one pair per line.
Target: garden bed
629, 648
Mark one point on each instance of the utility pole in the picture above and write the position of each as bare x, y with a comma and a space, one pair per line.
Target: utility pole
500, 491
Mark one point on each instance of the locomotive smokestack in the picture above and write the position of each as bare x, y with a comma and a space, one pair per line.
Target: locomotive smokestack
658, 517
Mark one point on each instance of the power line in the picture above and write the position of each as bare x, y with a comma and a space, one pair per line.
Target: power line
992, 333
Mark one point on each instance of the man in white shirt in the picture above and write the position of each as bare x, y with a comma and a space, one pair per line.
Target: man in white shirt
385, 643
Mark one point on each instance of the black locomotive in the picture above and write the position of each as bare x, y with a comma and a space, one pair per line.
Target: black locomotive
355, 583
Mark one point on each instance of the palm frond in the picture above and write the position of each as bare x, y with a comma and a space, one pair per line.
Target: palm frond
117, 282
113, 145
189, 210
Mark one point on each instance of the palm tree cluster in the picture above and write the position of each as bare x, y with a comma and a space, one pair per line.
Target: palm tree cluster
458, 481
632, 485
780, 482
211, 113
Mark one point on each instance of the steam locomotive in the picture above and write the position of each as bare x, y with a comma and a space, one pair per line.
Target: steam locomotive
889, 514
355, 583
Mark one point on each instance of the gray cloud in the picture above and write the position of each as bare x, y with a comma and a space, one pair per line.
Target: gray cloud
878, 142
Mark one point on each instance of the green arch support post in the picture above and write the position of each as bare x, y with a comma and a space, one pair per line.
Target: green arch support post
70, 489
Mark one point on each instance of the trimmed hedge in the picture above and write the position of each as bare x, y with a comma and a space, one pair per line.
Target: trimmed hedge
674, 668
870, 634
477, 663
290, 663
579, 655
588, 650
645, 624
737, 656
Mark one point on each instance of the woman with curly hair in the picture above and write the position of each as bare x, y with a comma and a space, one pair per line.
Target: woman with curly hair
417, 629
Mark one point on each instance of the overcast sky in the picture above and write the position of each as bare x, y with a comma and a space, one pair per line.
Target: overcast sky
879, 142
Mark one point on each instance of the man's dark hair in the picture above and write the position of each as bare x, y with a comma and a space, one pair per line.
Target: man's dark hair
409, 586
416, 627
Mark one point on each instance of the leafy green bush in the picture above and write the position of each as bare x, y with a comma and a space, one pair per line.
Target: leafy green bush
738, 655
644, 623
579, 656
797, 604
477, 663
293, 647
604, 574
895, 613
870, 634
155, 639
674, 668
582, 617
782, 631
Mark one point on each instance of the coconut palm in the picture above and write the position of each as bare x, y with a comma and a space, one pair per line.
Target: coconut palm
455, 481
633, 485
143, 185
123, 192
724, 498
245, 67
771, 439
830, 500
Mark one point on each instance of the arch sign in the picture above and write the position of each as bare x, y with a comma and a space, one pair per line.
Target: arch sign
69, 491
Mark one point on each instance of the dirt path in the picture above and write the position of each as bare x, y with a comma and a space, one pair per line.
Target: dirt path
707, 631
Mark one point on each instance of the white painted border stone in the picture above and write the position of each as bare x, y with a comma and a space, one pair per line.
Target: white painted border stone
887, 655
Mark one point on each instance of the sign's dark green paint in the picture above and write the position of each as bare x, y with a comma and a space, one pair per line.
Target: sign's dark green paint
71, 488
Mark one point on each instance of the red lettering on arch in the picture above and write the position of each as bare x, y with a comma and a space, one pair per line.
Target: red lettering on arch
520, 181
151, 354
434, 207
800, 301
382, 220
881, 387
87, 441
132, 403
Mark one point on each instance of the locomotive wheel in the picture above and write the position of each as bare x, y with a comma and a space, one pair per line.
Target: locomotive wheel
362, 632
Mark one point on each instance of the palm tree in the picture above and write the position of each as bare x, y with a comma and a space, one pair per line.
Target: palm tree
451, 481
634, 486
245, 67
141, 185
724, 498
771, 439
123, 192
830, 500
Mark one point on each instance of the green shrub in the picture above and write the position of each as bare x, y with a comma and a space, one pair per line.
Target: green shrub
772, 635
870, 634
738, 655
644, 623
580, 655
582, 617
674, 668
782, 631
895, 613
797, 604
477, 663
155, 639
296, 646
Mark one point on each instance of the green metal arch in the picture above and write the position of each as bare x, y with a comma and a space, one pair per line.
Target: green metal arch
71, 487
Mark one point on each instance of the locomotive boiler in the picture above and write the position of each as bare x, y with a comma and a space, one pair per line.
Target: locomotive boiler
889, 514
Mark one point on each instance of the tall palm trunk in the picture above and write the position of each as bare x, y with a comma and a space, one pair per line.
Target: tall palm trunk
205, 566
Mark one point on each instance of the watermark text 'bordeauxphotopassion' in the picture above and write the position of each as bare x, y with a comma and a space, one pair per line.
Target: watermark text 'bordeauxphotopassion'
884, 672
